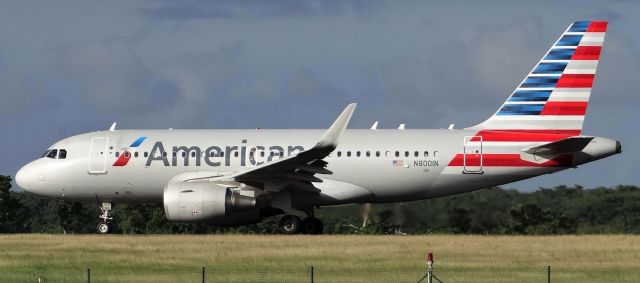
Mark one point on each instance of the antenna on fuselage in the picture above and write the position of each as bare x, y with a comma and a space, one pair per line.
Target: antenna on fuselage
374, 126
401, 127
113, 127
451, 126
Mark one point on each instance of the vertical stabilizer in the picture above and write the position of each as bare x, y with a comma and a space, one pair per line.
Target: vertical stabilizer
553, 98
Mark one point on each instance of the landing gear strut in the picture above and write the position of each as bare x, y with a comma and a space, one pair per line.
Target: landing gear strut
104, 227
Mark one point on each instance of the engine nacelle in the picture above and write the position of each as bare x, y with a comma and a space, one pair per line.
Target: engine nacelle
211, 203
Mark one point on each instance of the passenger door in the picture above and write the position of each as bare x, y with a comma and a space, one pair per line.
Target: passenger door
98, 155
472, 163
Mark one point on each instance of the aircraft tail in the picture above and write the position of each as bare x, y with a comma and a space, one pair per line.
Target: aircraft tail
553, 98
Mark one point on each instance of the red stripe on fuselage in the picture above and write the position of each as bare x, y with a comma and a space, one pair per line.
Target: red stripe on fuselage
586, 53
524, 135
575, 80
565, 108
597, 27
123, 159
507, 160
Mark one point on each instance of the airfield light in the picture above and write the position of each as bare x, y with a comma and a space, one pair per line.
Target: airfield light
429, 275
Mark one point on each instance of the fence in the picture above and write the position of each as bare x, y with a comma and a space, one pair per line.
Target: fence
317, 274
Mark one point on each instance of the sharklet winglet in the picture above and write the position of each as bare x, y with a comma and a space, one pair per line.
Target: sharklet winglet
330, 138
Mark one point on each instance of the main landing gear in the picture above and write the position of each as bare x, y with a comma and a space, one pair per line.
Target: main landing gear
291, 224
104, 226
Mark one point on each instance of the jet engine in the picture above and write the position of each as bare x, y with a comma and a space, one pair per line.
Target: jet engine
212, 203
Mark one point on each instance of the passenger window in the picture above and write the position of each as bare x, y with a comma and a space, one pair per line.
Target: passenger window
368, 154
358, 153
406, 154
416, 154
426, 154
193, 154
377, 154
262, 154
221, 154
127, 154
164, 154
117, 154
184, 154
146, 154
339, 153
235, 154
52, 153
348, 153
62, 154
397, 154
135, 154
174, 154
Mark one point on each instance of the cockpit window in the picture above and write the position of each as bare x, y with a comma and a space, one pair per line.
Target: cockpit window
45, 153
62, 154
52, 153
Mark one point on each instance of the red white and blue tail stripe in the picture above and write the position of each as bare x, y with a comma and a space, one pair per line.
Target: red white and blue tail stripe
553, 98
548, 106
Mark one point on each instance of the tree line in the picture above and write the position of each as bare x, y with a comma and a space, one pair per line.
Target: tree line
547, 211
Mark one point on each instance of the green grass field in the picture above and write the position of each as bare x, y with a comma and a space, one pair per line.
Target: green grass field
245, 258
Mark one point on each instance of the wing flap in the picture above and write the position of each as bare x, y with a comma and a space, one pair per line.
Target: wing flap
314, 169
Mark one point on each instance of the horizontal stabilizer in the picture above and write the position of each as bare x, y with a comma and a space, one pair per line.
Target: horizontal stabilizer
564, 146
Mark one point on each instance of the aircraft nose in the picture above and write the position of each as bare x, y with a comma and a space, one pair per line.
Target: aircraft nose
25, 177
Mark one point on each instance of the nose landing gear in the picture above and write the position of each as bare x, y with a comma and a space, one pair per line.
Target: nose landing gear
105, 227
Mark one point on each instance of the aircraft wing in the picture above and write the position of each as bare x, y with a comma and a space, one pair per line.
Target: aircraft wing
567, 145
297, 171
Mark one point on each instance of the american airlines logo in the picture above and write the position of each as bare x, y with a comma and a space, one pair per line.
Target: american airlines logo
211, 156
124, 157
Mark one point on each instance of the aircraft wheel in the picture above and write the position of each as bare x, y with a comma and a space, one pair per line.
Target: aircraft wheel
104, 228
312, 226
290, 224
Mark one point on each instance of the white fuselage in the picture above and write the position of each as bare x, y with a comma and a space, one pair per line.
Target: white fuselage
367, 165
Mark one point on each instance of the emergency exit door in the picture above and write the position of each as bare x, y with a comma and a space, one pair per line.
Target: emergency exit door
472, 161
98, 155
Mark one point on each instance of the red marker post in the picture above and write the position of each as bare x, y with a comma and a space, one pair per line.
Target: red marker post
430, 269
429, 276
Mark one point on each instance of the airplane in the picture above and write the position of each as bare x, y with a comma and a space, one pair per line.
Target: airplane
231, 177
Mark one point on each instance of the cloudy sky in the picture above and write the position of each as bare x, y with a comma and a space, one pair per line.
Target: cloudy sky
73, 67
